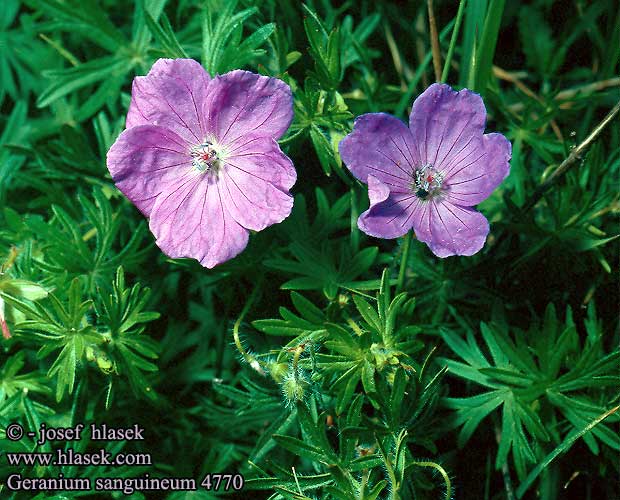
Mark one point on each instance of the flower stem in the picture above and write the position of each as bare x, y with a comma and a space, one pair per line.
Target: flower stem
403, 262
443, 473
572, 159
247, 356
434, 40
455, 35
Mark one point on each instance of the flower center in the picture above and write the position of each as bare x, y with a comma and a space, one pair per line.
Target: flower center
427, 181
205, 157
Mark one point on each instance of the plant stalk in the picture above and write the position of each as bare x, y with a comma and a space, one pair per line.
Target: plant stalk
434, 40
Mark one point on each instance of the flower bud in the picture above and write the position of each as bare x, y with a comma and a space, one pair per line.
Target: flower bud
294, 388
277, 371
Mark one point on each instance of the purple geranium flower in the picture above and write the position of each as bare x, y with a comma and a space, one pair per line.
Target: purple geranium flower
200, 159
428, 176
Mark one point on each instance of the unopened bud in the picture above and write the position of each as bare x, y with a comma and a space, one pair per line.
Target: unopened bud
104, 364
277, 371
294, 388
90, 354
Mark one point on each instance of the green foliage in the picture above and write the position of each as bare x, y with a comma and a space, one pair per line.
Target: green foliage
398, 390
337, 384
109, 340
543, 376
222, 47
86, 250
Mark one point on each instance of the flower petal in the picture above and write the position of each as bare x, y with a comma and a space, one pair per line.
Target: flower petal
447, 125
451, 230
191, 221
145, 160
172, 95
380, 146
472, 180
262, 157
255, 182
242, 103
390, 214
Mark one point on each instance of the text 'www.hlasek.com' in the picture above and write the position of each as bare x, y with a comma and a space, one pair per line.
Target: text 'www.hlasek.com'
84, 446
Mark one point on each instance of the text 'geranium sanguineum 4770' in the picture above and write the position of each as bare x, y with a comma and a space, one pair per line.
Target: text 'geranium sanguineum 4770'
428, 176
199, 157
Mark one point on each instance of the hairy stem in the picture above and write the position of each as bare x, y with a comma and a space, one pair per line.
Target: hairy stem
443, 473
247, 356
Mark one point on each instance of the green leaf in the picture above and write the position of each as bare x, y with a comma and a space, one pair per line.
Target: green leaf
368, 313
69, 80
84, 17
165, 36
300, 448
488, 43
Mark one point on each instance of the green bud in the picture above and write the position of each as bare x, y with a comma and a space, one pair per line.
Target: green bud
294, 388
104, 364
277, 371
90, 354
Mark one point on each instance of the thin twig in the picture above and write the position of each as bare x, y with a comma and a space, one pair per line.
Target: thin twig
585, 89
434, 41
572, 158
514, 79
563, 95
398, 62
420, 46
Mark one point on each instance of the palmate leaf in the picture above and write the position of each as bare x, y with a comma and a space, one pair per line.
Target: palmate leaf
340, 480
120, 319
60, 326
12, 383
323, 116
145, 9
66, 81
111, 340
108, 72
325, 49
317, 264
164, 35
328, 219
19, 52
321, 271
563, 447
87, 249
534, 380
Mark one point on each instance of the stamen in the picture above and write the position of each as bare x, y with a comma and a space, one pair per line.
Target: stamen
427, 181
205, 157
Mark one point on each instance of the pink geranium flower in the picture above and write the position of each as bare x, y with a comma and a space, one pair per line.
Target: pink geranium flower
199, 157
428, 176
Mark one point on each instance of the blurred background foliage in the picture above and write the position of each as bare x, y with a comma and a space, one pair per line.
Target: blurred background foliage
320, 363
